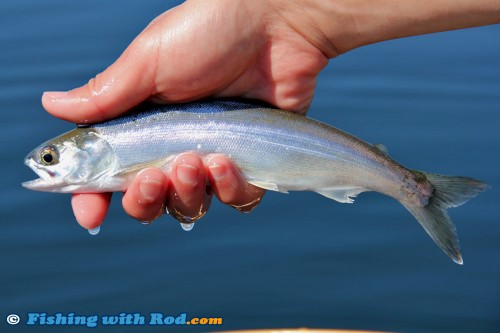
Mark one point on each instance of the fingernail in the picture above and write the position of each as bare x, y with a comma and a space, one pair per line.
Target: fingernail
188, 174
56, 94
63, 97
149, 189
217, 171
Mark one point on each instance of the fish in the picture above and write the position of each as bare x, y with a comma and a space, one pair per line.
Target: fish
276, 150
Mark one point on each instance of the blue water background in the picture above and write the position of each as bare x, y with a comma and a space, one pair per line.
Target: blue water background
299, 260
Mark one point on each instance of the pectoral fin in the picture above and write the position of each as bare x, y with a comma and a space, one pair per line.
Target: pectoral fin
160, 163
342, 194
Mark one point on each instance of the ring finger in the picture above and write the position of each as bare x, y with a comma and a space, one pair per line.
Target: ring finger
230, 186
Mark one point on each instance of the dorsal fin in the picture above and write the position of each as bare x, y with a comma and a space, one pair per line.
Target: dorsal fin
381, 148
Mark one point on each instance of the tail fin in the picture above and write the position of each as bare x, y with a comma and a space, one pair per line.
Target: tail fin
449, 191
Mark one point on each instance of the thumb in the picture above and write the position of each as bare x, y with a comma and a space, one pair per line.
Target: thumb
124, 84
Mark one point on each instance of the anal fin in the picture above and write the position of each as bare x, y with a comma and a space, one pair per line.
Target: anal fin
342, 194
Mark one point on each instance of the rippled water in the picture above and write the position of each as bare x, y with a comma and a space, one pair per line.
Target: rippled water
300, 259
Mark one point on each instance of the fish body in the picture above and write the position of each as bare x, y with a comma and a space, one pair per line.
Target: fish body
274, 149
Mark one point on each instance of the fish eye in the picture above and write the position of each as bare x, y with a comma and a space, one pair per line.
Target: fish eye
49, 155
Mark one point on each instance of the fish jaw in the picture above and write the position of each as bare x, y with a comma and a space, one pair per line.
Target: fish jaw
101, 185
38, 185
44, 186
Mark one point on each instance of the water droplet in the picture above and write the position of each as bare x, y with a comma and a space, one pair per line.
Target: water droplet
95, 231
187, 226
198, 146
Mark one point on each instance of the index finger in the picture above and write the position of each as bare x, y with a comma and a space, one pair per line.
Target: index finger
90, 208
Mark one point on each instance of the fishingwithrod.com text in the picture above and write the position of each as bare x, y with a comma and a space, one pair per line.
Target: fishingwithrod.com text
120, 319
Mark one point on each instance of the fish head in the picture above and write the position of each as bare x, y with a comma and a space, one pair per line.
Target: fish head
70, 162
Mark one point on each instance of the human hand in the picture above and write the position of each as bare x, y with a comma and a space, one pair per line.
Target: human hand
198, 49
269, 50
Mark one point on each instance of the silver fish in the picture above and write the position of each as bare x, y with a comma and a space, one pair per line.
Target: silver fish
275, 150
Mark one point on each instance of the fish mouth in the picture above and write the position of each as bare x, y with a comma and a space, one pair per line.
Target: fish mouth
46, 181
45, 186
